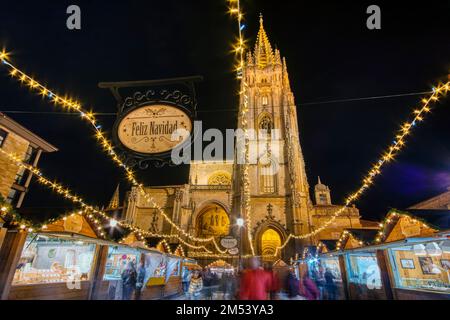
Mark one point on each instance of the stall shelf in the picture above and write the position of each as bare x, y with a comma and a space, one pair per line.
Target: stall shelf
55, 264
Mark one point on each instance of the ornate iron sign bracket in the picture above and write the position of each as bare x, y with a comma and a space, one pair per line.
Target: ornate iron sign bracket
133, 95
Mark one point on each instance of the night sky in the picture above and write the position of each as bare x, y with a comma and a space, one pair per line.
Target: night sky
330, 54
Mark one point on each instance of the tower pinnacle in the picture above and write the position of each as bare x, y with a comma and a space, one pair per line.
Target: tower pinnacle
114, 203
263, 50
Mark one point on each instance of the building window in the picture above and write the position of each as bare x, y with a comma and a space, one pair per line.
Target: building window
267, 178
266, 124
20, 177
3, 135
30, 155
13, 197
265, 100
322, 199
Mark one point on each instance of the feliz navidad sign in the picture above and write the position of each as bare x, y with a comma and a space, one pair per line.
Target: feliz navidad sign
151, 115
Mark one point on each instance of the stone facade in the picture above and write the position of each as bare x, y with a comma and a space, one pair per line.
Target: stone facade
28, 147
12, 144
280, 201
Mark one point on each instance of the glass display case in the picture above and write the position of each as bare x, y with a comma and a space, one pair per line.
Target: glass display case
363, 270
422, 266
118, 258
49, 259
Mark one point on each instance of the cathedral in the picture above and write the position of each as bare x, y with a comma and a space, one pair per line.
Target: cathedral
281, 200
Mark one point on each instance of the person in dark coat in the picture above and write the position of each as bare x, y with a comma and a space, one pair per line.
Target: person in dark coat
140, 280
293, 284
129, 278
330, 285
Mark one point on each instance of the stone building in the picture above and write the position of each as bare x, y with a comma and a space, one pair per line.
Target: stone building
14, 138
210, 203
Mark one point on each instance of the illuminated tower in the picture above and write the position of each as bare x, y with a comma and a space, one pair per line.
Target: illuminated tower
279, 190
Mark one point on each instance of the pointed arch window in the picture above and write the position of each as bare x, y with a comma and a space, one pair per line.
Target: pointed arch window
267, 176
266, 123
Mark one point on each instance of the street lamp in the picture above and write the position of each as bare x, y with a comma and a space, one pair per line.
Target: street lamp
240, 224
113, 223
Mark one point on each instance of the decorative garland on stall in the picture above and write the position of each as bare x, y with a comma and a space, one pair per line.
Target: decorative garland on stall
69, 104
393, 150
88, 210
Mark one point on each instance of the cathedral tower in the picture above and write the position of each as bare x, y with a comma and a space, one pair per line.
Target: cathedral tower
279, 190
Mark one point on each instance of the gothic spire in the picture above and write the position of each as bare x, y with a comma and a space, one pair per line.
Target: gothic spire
114, 203
286, 82
263, 49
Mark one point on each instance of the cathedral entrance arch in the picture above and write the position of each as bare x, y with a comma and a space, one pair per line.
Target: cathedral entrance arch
213, 221
269, 242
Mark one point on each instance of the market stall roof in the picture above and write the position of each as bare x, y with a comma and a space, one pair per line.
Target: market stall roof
72, 224
355, 238
133, 241
400, 225
280, 264
220, 264
330, 245
436, 218
365, 235
179, 251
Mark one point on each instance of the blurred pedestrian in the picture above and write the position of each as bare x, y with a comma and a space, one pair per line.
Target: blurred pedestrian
185, 278
309, 288
140, 280
293, 284
195, 285
275, 282
255, 282
129, 278
330, 285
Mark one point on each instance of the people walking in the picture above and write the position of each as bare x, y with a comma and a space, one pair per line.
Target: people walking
140, 280
195, 285
185, 279
293, 284
330, 285
129, 278
255, 282
309, 288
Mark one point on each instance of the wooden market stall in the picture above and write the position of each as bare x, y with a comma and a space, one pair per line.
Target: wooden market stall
365, 266
408, 258
55, 264
162, 270
417, 248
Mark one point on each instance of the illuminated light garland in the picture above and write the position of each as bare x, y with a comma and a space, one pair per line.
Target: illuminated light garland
239, 49
345, 236
88, 116
388, 156
66, 193
390, 218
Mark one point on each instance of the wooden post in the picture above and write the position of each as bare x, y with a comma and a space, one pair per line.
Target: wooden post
98, 265
344, 276
2, 235
10, 253
385, 279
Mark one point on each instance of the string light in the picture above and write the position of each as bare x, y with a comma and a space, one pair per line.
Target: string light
239, 49
393, 150
107, 145
66, 193
391, 218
